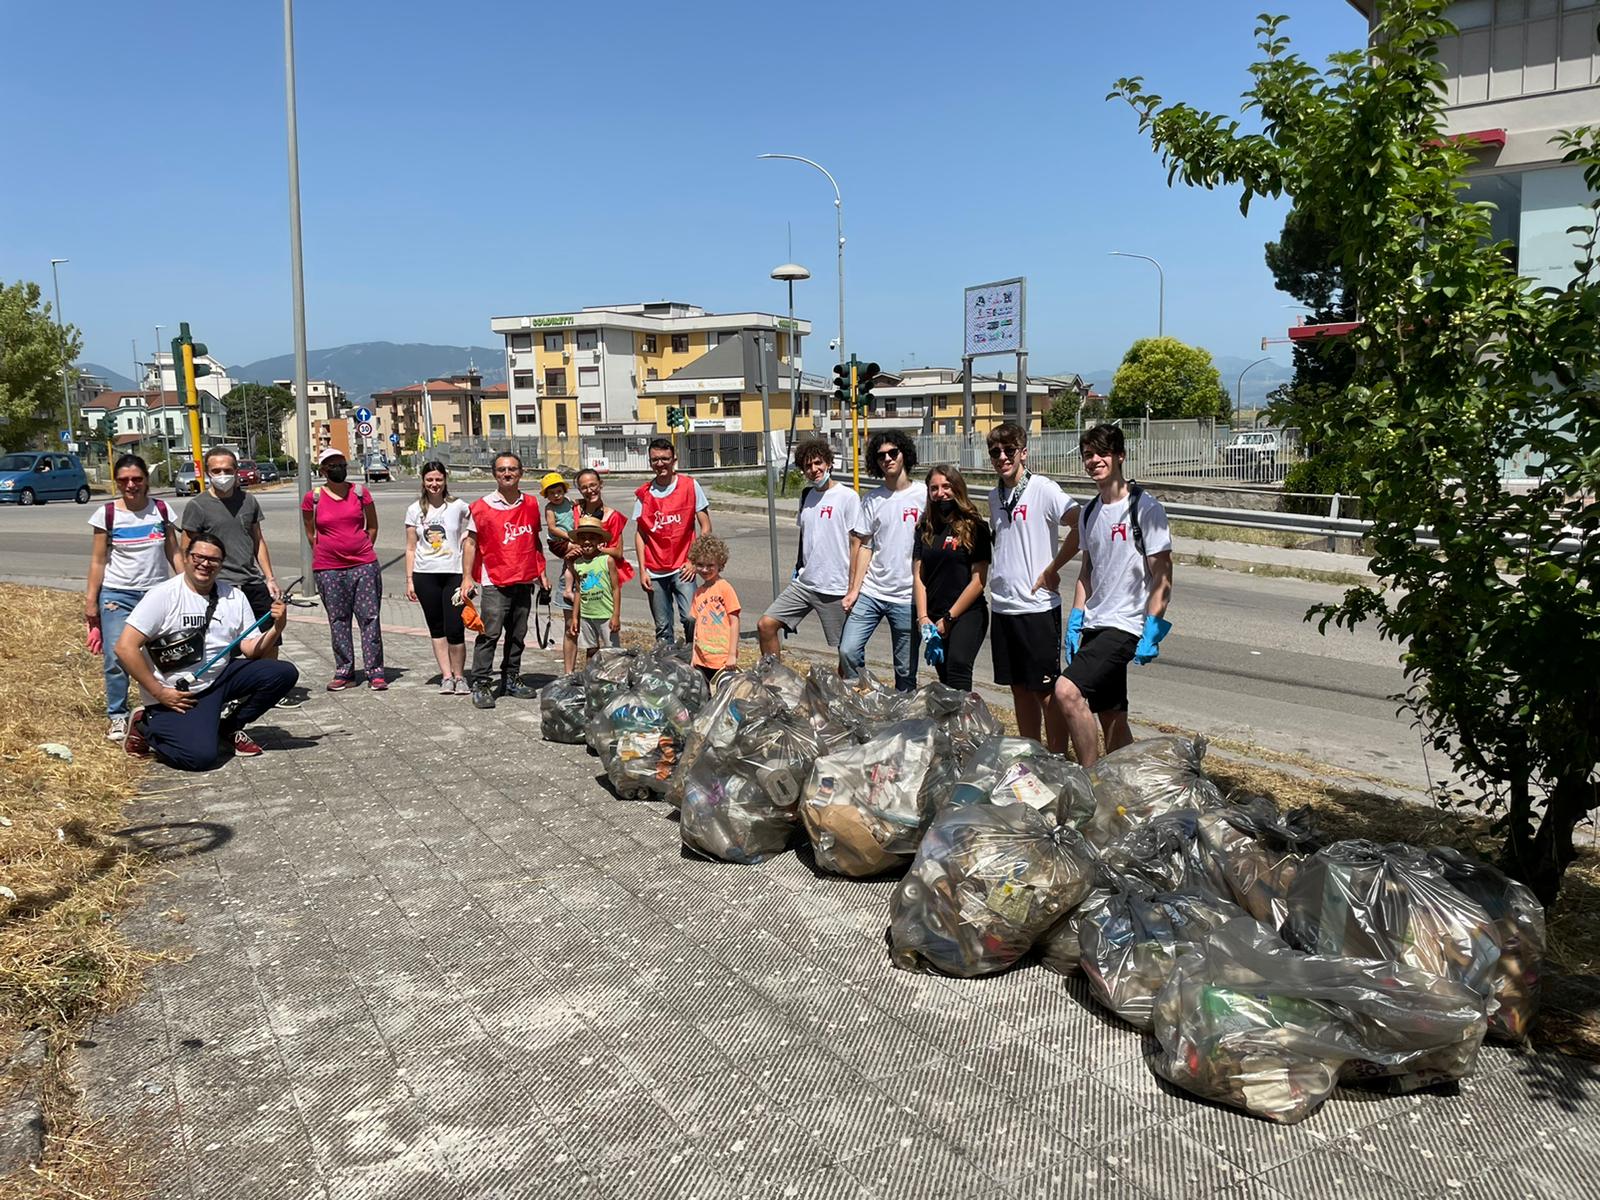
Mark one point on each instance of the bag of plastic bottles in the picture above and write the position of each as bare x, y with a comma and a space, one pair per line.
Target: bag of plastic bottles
862, 805
1519, 928
1357, 899
786, 681
1008, 770
640, 735
1246, 1021
605, 675
987, 882
1129, 943
563, 708
1146, 779
1058, 947
668, 668
1253, 853
1160, 855
739, 695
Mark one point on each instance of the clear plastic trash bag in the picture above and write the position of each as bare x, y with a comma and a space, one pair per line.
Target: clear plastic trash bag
1008, 770
1146, 779
740, 696
1357, 899
786, 681
1254, 852
604, 676
1519, 928
986, 883
1059, 948
1247, 1021
1160, 855
563, 709
640, 735
863, 803
1129, 943
668, 668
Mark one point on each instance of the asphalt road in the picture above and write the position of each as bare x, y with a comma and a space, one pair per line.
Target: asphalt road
1241, 662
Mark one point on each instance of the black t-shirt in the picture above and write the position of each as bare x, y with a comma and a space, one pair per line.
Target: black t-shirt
947, 568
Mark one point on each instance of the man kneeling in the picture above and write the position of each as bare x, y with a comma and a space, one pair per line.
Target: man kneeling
177, 647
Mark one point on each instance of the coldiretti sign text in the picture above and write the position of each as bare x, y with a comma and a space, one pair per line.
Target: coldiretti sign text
541, 321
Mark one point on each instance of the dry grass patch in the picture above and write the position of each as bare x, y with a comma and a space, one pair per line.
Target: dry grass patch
62, 958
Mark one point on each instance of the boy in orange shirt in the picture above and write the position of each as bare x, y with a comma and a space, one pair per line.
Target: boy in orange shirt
715, 608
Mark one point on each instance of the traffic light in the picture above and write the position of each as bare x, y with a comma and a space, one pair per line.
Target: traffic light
186, 369
866, 376
841, 386
675, 418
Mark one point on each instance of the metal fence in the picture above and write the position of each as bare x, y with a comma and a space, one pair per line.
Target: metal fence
1187, 456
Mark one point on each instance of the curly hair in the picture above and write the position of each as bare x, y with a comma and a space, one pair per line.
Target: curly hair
710, 549
812, 448
897, 439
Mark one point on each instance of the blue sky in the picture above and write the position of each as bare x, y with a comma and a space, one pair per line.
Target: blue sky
460, 161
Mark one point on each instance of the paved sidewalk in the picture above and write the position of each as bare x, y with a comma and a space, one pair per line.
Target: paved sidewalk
428, 955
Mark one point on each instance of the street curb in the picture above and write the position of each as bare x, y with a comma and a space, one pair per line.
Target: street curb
1271, 570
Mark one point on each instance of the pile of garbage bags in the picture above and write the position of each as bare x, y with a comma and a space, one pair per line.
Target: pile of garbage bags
1270, 964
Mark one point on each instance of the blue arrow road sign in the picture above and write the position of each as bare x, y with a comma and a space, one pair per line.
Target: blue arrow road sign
363, 414
394, 439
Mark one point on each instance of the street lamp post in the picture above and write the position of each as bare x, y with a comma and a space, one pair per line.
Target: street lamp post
789, 273
297, 280
838, 220
61, 331
1238, 388
1161, 309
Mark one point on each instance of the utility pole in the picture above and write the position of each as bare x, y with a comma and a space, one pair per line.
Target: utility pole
61, 332
297, 277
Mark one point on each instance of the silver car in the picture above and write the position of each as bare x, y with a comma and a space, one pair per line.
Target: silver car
186, 482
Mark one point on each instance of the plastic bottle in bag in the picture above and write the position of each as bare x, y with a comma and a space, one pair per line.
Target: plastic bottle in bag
1008, 770
863, 802
563, 705
1254, 853
1146, 779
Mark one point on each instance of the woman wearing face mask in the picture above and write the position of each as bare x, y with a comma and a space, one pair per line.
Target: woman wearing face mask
436, 525
135, 547
950, 565
341, 524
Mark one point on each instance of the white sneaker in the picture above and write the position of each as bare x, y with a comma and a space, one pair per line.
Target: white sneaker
118, 729
463, 688
447, 686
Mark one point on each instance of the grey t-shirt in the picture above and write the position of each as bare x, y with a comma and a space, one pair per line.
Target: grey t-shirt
234, 520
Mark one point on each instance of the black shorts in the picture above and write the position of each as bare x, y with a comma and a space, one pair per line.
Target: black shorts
1027, 648
255, 591
1100, 668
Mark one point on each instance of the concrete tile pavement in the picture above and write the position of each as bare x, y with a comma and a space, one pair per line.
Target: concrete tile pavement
422, 953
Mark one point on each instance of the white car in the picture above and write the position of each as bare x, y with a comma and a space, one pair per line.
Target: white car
1253, 452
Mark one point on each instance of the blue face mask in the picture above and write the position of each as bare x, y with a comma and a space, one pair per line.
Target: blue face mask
823, 481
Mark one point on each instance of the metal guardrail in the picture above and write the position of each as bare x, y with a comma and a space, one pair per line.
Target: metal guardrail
1331, 526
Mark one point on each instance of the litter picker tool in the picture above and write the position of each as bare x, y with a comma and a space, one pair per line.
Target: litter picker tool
260, 623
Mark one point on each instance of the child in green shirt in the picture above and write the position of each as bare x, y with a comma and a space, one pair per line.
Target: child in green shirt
596, 606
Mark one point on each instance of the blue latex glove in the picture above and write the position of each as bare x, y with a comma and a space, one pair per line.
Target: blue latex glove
932, 645
1071, 644
1154, 630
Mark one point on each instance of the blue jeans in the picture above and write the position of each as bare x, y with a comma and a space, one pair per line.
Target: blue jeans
858, 629
115, 605
665, 590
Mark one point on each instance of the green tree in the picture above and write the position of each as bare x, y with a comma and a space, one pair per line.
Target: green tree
1169, 377
1063, 412
258, 410
31, 354
1460, 367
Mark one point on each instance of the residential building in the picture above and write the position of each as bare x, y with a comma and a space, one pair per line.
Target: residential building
158, 417
612, 372
325, 404
933, 400
216, 384
496, 409
454, 403
1519, 72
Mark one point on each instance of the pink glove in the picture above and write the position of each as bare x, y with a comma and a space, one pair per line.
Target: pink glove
96, 645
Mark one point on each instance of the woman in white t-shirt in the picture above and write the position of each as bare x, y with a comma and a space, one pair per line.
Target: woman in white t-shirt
436, 524
134, 547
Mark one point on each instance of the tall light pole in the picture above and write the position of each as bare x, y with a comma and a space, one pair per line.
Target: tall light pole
1238, 388
789, 273
61, 331
838, 220
297, 275
1161, 308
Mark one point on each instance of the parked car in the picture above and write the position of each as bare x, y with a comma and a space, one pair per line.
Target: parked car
269, 473
186, 482
1252, 453
249, 472
377, 467
35, 477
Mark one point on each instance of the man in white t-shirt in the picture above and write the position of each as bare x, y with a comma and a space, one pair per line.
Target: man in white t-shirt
176, 646
828, 512
880, 565
1026, 514
1119, 604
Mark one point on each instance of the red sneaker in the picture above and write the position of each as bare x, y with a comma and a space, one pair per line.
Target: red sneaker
378, 683
338, 683
134, 741
244, 745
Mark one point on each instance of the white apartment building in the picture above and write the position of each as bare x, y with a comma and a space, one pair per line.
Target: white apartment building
217, 384
325, 401
1518, 73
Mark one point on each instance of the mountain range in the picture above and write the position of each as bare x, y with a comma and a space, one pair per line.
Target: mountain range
361, 368
366, 367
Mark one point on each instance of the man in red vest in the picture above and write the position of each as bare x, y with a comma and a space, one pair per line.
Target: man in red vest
666, 513
500, 556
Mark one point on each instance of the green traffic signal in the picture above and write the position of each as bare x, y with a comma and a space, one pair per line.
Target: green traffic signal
841, 384
866, 376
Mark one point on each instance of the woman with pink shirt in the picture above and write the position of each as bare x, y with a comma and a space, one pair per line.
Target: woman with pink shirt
342, 526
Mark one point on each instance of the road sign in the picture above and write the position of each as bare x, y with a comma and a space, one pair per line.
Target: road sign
994, 317
363, 415
364, 427
394, 439
66, 435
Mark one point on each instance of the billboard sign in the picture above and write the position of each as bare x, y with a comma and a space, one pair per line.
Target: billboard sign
993, 316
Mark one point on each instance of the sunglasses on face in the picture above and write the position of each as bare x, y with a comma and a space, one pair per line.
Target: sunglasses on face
888, 455
999, 452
